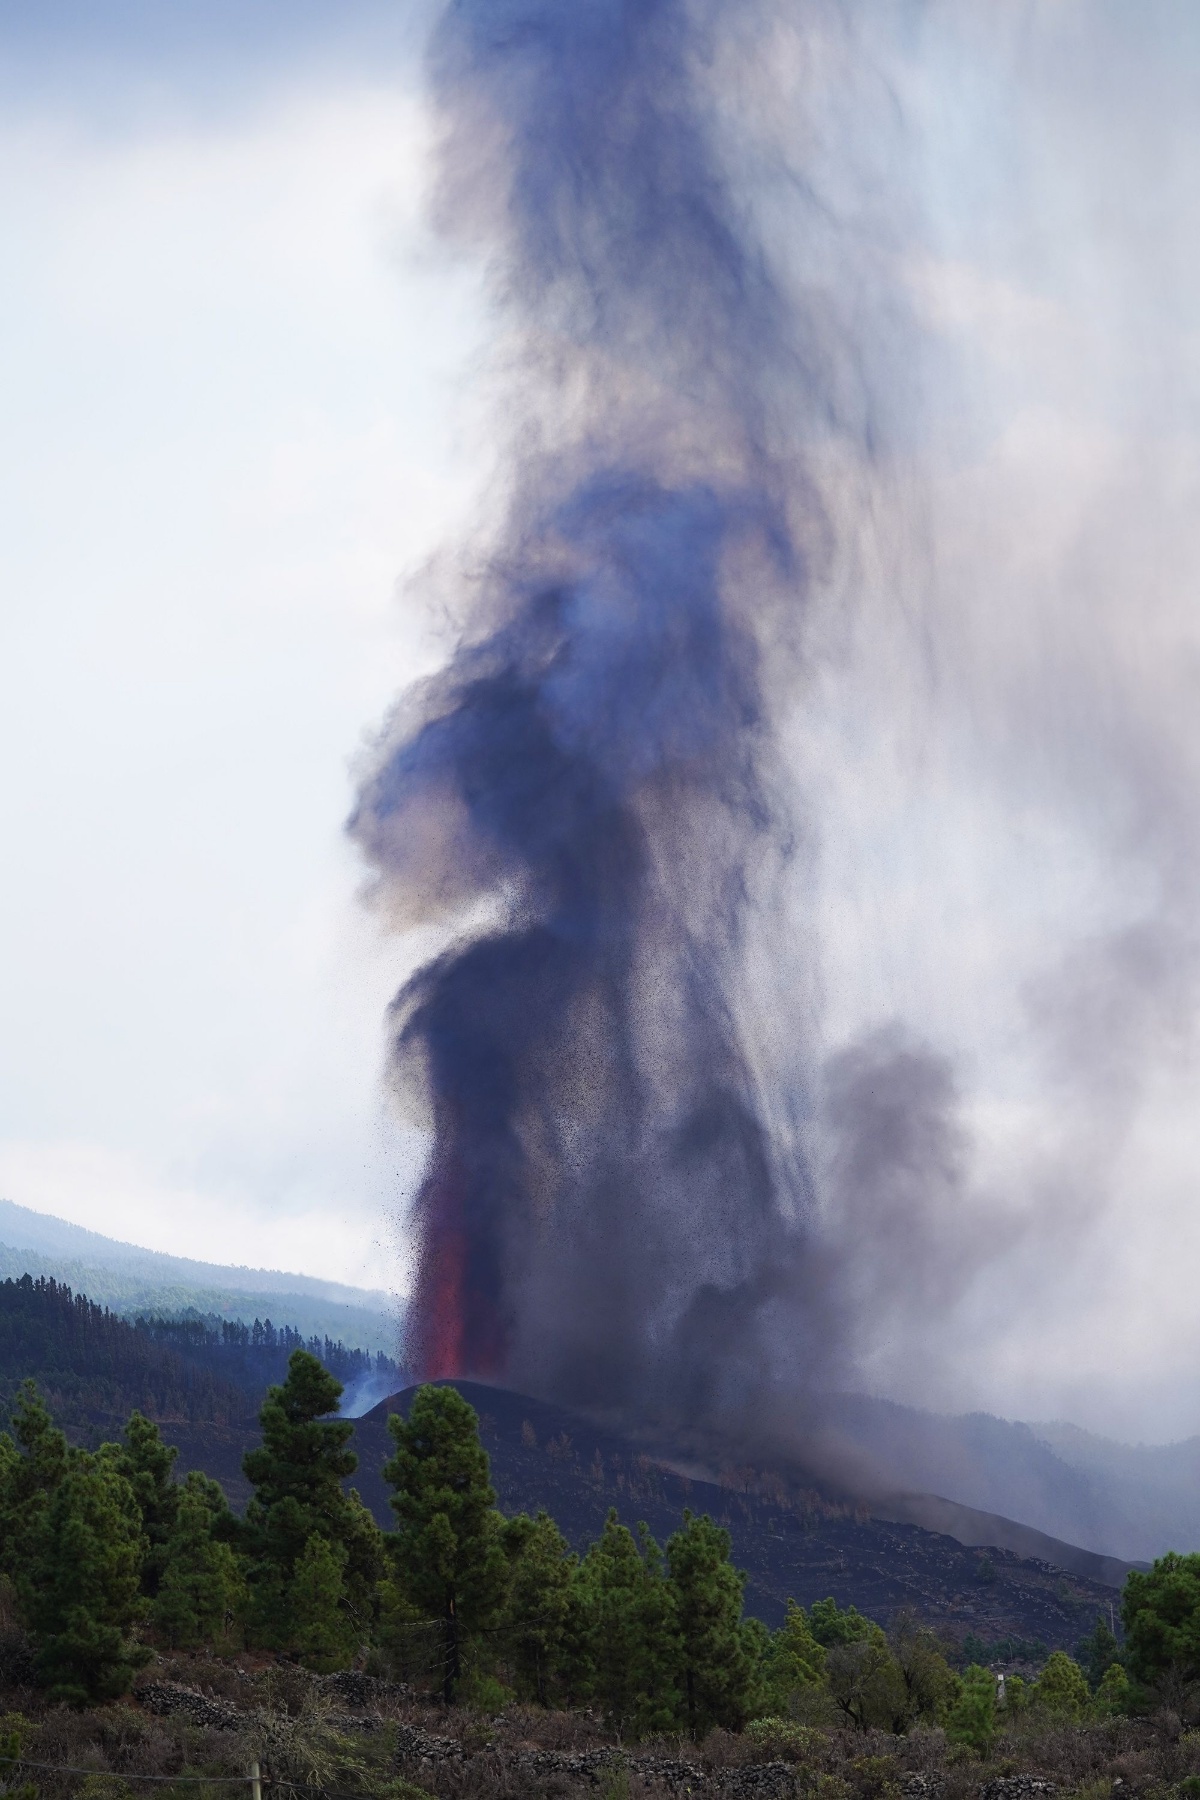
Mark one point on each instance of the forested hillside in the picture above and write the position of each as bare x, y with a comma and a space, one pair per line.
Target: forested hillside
252, 1356
130, 1280
95, 1367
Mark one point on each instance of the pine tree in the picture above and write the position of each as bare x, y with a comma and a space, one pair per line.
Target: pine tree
29, 1476
147, 1462
1160, 1610
412, 1642
366, 1564
1061, 1689
541, 1627
1113, 1696
297, 1475
202, 1588
972, 1718
929, 1681
632, 1635
793, 1660
830, 1625
866, 1683
448, 1556
718, 1661
1098, 1651
82, 1588
323, 1633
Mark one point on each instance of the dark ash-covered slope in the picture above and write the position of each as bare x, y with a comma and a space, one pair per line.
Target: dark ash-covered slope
791, 1544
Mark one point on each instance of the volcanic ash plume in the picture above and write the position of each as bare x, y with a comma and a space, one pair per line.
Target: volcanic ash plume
604, 1219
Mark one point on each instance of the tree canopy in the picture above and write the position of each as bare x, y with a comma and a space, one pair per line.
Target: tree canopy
1160, 1610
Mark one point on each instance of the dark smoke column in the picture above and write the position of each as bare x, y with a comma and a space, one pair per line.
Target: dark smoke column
601, 1221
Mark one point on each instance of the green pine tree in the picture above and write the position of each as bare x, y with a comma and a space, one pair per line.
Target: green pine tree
829, 1625
69, 1534
866, 1683
1061, 1689
147, 1463
1098, 1651
31, 1469
297, 1474
323, 1631
82, 1587
1114, 1695
1160, 1610
201, 1594
793, 1661
541, 1626
449, 1559
972, 1717
1016, 1696
718, 1661
930, 1687
633, 1642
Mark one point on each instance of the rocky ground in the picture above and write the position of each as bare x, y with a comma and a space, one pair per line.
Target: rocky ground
350, 1736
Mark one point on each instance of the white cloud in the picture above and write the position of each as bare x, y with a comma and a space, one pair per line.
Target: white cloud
234, 418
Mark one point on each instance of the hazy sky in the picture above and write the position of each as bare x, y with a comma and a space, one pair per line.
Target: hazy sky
237, 380
231, 369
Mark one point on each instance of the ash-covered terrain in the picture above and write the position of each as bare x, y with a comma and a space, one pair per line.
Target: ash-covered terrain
792, 1544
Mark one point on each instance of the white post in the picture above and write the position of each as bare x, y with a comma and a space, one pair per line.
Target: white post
255, 1782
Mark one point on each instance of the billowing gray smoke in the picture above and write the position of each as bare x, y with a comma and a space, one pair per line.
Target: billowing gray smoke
810, 802
605, 1219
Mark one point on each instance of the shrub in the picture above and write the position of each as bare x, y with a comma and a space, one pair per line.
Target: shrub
784, 1740
12, 1740
485, 1692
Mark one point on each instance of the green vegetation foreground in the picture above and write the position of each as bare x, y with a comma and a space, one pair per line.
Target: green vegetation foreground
107, 1561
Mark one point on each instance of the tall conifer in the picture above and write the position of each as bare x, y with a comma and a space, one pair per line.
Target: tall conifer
449, 1560
297, 1474
717, 1656
82, 1591
147, 1463
632, 1630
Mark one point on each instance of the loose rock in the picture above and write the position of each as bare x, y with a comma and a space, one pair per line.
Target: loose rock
1017, 1787
169, 1699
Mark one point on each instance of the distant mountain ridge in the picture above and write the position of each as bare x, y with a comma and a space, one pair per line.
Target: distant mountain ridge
29, 1230
204, 1378
1153, 1489
1129, 1501
132, 1280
